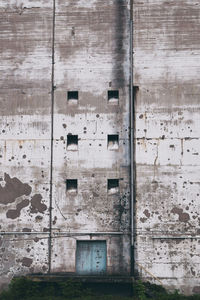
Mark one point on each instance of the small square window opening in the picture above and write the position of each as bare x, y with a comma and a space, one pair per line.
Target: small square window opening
72, 142
72, 97
72, 186
113, 97
113, 141
113, 186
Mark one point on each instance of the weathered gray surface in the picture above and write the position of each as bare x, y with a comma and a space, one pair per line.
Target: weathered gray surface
91, 56
25, 87
166, 69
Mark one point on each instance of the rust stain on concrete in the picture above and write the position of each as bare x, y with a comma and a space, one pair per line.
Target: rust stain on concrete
143, 220
13, 189
37, 205
146, 213
26, 261
15, 213
183, 217
26, 229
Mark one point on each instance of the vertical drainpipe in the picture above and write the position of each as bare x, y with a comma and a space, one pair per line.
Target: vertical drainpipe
132, 140
52, 137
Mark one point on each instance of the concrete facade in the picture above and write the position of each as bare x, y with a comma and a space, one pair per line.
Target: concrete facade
48, 51
167, 131
48, 136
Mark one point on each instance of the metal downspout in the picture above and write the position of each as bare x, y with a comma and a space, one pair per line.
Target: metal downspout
132, 139
52, 137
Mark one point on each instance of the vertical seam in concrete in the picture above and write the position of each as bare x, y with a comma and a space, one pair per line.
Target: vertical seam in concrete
131, 139
134, 90
134, 206
52, 137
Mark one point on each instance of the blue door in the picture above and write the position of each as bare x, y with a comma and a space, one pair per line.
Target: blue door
91, 257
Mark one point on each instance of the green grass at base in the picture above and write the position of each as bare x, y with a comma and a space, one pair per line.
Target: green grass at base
25, 289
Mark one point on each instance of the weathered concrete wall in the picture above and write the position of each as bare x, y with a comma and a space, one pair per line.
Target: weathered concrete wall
91, 56
166, 69
25, 101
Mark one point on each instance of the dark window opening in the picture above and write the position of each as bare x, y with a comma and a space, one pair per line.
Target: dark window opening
113, 141
113, 186
113, 96
72, 97
72, 142
72, 186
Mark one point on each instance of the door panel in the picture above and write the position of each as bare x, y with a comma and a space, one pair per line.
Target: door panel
91, 257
